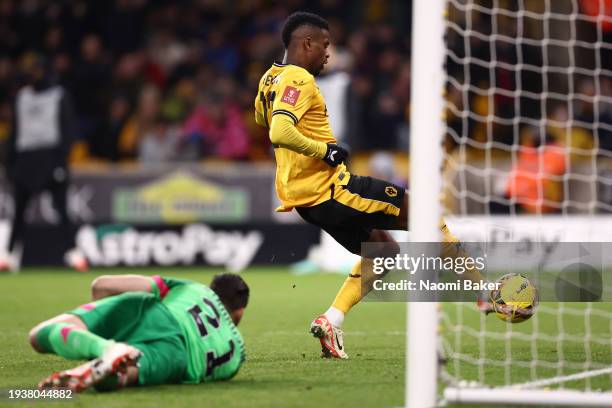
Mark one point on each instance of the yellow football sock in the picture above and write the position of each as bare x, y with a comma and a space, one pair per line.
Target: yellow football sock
350, 292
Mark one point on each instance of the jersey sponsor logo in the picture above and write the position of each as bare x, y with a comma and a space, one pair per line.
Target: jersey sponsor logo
391, 191
290, 95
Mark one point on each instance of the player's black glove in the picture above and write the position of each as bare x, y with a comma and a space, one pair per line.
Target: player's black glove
335, 155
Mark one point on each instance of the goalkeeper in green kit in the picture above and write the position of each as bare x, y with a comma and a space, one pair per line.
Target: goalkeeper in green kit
143, 330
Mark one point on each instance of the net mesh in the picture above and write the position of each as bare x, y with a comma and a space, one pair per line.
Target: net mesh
529, 135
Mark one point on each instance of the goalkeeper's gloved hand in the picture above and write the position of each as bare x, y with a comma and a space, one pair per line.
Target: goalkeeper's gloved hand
335, 155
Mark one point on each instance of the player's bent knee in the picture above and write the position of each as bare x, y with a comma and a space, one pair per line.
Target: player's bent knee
380, 244
32, 338
390, 247
63, 318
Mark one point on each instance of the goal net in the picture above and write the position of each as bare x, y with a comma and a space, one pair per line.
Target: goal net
526, 158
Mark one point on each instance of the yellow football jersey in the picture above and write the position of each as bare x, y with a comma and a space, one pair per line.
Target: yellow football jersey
301, 181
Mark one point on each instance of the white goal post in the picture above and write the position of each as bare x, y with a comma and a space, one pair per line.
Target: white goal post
435, 365
424, 212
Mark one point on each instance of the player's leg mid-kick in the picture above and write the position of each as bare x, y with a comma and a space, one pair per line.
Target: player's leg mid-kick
311, 175
351, 227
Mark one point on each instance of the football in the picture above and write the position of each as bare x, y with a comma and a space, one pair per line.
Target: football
516, 298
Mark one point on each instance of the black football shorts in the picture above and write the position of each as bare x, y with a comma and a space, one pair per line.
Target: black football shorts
355, 208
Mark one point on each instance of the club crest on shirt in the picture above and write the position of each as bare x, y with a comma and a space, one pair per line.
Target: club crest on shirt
290, 95
391, 191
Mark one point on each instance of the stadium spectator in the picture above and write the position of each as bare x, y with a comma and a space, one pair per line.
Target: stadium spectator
129, 76
605, 117
220, 54
215, 129
140, 123
333, 83
159, 143
535, 182
37, 157
106, 138
600, 119
88, 78
570, 134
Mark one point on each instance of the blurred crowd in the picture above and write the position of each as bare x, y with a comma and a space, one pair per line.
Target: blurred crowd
155, 80
551, 82
541, 114
159, 81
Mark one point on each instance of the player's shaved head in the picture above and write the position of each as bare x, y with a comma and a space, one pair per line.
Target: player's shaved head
302, 24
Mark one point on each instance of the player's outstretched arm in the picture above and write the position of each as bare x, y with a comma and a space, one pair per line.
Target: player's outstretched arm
110, 285
283, 133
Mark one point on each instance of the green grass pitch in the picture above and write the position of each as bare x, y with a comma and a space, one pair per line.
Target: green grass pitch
283, 368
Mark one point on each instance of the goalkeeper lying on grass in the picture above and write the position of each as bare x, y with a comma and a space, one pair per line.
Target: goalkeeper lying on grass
143, 330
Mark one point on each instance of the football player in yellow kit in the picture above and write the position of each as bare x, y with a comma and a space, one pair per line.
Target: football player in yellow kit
311, 175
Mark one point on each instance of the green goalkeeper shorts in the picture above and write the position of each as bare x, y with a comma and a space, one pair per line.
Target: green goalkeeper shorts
141, 320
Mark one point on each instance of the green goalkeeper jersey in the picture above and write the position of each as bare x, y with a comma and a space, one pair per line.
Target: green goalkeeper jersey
215, 346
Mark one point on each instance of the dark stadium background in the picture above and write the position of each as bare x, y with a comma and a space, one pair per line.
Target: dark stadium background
169, 169
163, 92
165, 133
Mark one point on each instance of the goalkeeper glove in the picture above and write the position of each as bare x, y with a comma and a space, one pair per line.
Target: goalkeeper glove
335, 155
